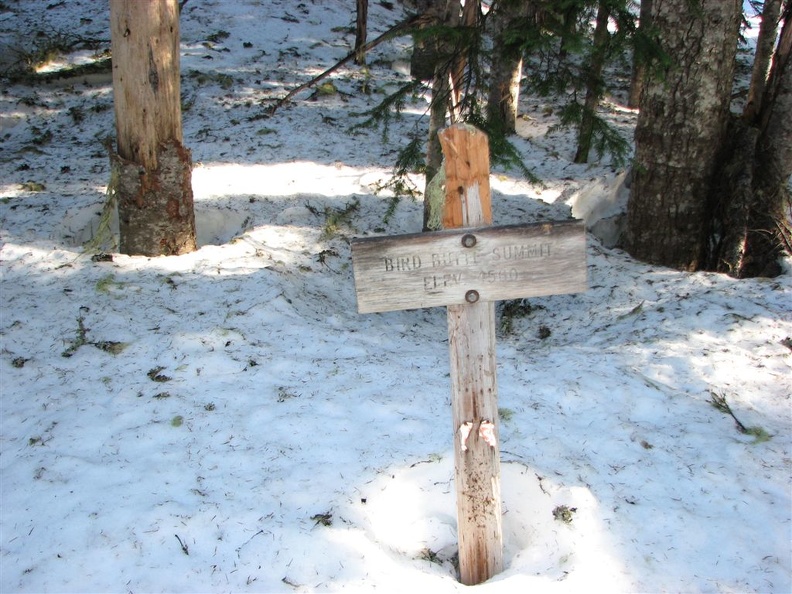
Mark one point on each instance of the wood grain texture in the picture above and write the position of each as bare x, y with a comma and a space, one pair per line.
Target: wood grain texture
467, 266
436, 269
466, 152
146, 85
474, 387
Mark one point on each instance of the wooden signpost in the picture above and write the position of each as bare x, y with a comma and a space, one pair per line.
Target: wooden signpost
467, 267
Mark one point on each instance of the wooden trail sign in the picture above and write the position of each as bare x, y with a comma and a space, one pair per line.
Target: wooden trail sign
463, 266
467, 267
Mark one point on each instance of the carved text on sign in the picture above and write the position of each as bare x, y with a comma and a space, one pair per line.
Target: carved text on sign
463, 266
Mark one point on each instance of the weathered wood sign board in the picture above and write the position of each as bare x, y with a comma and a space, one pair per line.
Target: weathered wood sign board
466, 265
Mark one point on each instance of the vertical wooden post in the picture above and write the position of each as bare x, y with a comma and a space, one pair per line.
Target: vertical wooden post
471, 338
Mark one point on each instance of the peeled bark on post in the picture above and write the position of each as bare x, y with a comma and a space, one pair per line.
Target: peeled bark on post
152, 169
471, 337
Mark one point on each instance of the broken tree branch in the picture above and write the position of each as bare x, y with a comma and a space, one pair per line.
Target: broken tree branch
401, 27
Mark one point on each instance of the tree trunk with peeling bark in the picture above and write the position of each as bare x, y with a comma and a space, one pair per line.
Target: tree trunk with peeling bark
152, 168
771, 234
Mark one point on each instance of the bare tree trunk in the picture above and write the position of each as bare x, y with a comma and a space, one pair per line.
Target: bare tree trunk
681, 125
152, 169
594, 83
425, 51
639, 63
470, 13
754, 207
763, 57
438, 110
778, 69
506, 67
448, 14
360, 31
771, 234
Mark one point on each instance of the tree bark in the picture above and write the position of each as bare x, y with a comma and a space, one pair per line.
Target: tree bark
447, 85
639, 61
447, 13
152, 169
765, 43
753, 201
770, 234
778, 69
469, 20
426, 52
681, 125
594, 83
360, 31
506, 66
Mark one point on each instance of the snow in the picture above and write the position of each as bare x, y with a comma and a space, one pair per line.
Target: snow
224, 421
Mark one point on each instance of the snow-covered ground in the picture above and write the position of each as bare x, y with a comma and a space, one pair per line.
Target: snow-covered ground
225, 421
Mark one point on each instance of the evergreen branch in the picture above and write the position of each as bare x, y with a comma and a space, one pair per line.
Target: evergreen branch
387, 109
719, 402
605, 139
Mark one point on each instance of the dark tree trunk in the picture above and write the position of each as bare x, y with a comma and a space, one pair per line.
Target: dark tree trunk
506, 67
594, 84
448, 14
360, 31
770, 232
681, 125
765, 43
152, 170
753, 210
459, 59
426, 53
639, 61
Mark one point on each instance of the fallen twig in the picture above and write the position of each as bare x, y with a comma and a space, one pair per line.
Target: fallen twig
240, 547
184, 548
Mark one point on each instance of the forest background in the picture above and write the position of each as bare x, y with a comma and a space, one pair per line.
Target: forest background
224, 420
